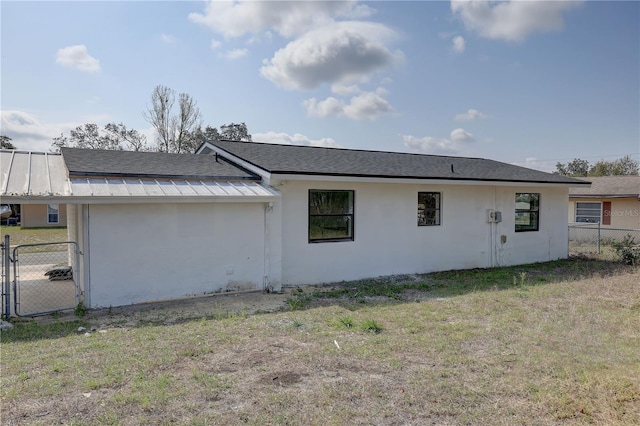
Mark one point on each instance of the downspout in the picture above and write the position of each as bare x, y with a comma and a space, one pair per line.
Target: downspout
86, 258
266, 280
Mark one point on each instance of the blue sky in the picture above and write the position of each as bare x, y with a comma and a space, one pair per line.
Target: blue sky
529, 83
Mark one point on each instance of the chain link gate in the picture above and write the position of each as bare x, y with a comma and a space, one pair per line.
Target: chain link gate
45, 278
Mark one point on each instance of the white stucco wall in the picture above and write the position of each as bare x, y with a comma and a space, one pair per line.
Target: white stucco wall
147, 252
388, 240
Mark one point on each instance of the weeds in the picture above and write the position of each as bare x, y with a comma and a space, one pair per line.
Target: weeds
81, 310
371, 326
627, 250
347, 322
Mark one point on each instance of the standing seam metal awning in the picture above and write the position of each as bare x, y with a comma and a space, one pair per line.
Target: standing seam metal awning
29, 176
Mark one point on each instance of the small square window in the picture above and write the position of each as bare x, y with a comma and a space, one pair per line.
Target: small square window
527, 212
428, 208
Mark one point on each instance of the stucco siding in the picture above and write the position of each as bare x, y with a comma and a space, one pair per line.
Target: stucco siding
36, 216
388, 241
146, 252
625, 212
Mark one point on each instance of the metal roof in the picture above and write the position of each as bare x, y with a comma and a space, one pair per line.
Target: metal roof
32, 174
177, 188
43, 177
321, 161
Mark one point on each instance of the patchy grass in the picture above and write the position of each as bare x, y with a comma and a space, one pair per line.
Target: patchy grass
33, 235
545, 344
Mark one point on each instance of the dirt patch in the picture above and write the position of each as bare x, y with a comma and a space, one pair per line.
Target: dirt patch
282, 378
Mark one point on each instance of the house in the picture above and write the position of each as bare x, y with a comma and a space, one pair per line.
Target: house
251, 216
611, 201
43, 215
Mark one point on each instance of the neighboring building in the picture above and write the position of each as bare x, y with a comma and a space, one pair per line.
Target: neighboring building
252, 216
612, 201
43, 215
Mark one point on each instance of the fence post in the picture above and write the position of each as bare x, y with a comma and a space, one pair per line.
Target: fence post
598, 237
7, 278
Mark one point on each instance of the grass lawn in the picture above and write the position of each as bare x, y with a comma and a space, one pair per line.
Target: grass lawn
555, 343
33, 235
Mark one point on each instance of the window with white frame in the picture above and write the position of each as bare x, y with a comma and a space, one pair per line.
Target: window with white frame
53, 213
588, 212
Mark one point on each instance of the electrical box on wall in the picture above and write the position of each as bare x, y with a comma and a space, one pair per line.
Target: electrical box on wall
494, 216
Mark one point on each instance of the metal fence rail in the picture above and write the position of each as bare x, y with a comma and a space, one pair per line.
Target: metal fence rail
594, 240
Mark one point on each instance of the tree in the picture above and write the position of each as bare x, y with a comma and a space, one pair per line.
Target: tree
235, 132
581, 168
113, 137
176, 129
5, 142
577, 167
620, 167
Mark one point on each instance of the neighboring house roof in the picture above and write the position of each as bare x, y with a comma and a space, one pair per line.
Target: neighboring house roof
305, 160
93, 162
42, 177
609, 187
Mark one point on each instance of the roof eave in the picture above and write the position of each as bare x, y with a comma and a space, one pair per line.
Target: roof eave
288, 175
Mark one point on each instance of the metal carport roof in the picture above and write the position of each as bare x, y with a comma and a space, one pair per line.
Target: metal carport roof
31, 177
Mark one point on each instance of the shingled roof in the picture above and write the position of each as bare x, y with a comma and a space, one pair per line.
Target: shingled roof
305, 160
609, 187
157, 165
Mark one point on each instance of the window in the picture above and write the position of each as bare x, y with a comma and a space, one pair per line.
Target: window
330, 215
527, 212
53, 213
588, 212
428, 208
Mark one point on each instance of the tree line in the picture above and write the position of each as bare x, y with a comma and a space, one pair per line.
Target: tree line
178, 126
582, 168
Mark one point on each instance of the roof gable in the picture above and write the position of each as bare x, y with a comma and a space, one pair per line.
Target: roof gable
157, 165
304, 160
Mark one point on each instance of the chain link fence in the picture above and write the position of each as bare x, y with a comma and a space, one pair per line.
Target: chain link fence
44, 278
593, 240
39, 271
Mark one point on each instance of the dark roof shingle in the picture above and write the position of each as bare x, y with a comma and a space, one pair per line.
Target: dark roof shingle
293, 159
92, 162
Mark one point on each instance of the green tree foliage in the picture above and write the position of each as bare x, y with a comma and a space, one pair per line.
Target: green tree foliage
581, 168
5, 142
112, 137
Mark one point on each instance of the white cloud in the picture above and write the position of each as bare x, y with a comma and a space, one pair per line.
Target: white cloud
430, 145
471, 114
295, 139
215, 44
458, 44
364, 106
289, 19
168, 38
77, 57
28, 133
236, 53
343, 52
461, 136
441, 146
511, 20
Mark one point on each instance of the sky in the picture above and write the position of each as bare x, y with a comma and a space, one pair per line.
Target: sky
530, 83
